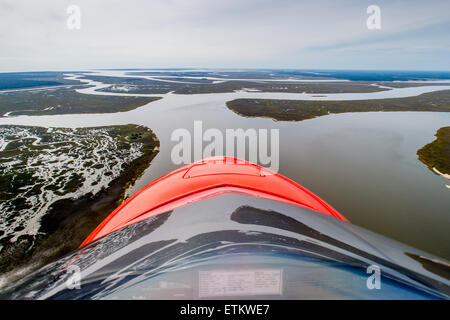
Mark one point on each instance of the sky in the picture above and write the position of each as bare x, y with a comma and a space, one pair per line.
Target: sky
324, 34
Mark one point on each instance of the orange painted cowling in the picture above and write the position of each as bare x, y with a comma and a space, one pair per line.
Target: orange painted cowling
207, 178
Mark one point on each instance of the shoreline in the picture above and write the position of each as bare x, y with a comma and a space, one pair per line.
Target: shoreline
445, 176
293, 110
69, 221
436, 154
91, 87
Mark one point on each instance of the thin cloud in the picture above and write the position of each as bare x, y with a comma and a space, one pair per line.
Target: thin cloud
233, 33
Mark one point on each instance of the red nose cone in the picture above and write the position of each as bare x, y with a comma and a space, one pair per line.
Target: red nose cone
207, 178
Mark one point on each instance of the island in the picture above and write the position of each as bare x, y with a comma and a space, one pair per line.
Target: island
436, 155
202, 87
52, 101
58, 184
297, 110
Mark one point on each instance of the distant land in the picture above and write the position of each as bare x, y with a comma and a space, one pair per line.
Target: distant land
22, 80
371, 75
295, 110
64, 101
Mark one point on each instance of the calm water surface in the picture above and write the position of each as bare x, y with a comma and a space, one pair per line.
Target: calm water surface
363, 164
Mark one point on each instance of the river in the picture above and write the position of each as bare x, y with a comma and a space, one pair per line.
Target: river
363, 164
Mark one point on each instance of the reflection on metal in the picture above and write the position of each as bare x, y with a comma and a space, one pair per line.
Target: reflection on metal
279, 251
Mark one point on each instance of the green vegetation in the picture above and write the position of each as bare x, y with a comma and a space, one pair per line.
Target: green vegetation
64, 101
294, 110
201, 86
437, 153
292, 87
248, 79
94, 168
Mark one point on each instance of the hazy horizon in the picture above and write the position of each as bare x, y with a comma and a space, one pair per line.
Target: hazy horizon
219, 68
285, 34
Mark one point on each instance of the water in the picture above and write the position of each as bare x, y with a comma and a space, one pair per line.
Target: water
363, 164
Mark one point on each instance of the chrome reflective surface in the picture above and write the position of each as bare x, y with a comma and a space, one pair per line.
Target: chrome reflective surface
237, 246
